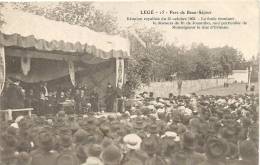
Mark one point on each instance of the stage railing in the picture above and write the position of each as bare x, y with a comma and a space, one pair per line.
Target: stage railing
8, 113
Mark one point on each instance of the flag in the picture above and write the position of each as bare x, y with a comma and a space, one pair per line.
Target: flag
72, 72
119, 72
26, 65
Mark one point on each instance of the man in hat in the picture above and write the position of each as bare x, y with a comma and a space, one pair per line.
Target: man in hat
248, 153
44, 97
170, 144
187, 155
110, 98
93, 152
80, 140
132, 143
44, 155
179, 86
112, 155
15, 96
8, 152
216, 150
67, 156
150, 146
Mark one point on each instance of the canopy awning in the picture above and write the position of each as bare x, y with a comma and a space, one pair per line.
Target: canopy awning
26, 30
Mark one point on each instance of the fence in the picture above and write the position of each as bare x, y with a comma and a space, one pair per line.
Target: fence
163, 89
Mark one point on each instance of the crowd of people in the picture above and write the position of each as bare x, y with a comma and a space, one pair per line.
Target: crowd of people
46, 100
178, 130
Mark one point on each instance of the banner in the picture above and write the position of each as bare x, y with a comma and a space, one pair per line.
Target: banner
72, 72
119, 72
25, 65
2, 68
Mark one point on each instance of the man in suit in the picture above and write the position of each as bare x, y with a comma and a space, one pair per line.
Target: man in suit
15, 96
94, 100
110, 98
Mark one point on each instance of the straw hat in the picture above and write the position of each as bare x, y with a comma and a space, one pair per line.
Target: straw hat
132, 141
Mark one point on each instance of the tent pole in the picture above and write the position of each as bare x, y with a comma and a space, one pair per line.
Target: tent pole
2, 68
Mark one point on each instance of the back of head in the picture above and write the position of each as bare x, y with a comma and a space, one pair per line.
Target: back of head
248, 150
188, 141
111, 155
46, 140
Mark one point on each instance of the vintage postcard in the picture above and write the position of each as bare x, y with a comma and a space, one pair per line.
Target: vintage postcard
129, 82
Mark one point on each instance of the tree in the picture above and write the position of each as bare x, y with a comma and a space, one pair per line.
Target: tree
1, 17
75, 13
146, 58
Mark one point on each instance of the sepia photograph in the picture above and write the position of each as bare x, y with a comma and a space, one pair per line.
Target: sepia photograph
129, 82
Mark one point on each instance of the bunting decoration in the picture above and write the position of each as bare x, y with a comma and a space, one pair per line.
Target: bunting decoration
25, 65
119, 72
2, 68
72, 72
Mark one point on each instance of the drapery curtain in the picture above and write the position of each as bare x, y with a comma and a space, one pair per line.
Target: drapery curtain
72, 72
25, 65
119, 72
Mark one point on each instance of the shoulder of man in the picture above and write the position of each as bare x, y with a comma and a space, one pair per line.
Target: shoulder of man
67, 158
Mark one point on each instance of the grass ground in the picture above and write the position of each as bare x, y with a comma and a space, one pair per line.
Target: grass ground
232, 89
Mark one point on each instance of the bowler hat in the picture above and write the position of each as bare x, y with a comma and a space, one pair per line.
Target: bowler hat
216, 148
149, 146
80, 136
153, 128
46, 140
94, 150
111, 155
65, 140
139, 124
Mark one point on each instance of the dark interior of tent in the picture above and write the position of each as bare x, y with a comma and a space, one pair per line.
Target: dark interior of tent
89, 72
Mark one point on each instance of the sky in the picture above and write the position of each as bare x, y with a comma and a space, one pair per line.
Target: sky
244, 38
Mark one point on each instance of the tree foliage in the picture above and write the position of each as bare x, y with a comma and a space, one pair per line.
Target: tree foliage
1, 17
196, 62
75, 13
